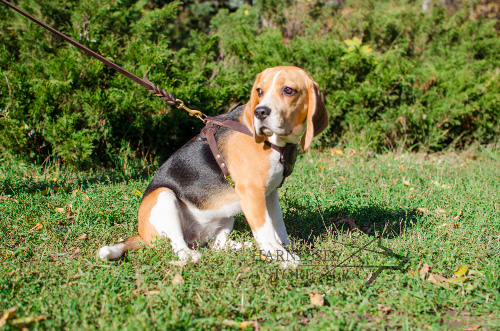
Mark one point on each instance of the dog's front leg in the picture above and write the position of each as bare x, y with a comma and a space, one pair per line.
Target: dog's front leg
259, 212
274, 210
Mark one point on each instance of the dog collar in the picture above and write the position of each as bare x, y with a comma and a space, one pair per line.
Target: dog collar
288, 153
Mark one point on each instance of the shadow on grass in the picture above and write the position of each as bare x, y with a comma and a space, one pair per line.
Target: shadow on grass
307, 223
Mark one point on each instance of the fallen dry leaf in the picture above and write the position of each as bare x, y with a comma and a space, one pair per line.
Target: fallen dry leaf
138, 193
438, 280
75, 192
317, 298
411, 273
461, 271
472, 328
383, 308
178, 263
424, 271
402, 166
7, 315
471, 156
82, 237
37, 227
406, 182
440, 211
336, 151
241, 325
22, 323
178, 279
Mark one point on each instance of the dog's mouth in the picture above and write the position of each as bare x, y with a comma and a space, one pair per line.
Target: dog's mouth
266, 131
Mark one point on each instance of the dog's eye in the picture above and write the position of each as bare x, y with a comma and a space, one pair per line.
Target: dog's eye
259, 92
288, 91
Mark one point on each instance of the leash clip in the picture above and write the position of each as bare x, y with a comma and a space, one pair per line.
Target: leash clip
192, 112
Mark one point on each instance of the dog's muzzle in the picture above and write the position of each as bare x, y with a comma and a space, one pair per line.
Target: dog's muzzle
262, 112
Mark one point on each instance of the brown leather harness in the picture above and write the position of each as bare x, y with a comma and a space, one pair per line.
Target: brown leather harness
288, 153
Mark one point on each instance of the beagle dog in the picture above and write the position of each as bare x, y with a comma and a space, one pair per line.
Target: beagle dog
190, 200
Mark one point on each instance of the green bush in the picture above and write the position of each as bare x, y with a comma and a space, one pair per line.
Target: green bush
394, 76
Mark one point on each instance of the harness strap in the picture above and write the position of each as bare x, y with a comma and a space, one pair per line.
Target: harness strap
288, 153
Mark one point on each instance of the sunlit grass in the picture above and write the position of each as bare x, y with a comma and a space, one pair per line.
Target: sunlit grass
436, 209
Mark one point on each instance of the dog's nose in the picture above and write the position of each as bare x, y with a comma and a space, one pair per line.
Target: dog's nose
262, 112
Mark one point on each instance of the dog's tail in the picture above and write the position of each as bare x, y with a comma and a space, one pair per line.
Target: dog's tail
117, 250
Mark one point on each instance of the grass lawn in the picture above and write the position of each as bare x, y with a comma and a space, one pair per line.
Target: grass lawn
441, 210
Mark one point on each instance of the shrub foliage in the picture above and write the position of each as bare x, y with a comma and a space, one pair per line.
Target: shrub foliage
394, 75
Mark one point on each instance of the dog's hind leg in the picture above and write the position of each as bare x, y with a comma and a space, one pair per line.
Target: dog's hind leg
117, 250
160, 214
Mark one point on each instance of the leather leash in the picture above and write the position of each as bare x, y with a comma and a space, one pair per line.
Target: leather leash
169, 98
288, 154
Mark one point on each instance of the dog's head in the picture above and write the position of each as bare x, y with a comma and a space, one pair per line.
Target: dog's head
284, 103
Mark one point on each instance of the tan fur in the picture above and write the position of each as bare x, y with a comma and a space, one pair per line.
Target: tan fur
133, 242
219, 201
147, 231
250, 175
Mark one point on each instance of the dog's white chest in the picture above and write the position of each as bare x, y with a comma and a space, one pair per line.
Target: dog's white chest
275, 172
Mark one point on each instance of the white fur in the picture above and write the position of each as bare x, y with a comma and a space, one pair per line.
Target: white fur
111, 252
185, 226
275, 172
274, 120
268, 97
272, 235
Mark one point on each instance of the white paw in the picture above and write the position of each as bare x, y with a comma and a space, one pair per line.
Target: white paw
236, 246
105, 253
292, 263
230, 244
280, 254
110, 252
189, 255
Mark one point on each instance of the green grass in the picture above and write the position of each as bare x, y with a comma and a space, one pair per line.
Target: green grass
51, 272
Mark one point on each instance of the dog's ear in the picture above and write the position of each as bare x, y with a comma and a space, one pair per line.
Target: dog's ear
250, 110
317, 118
